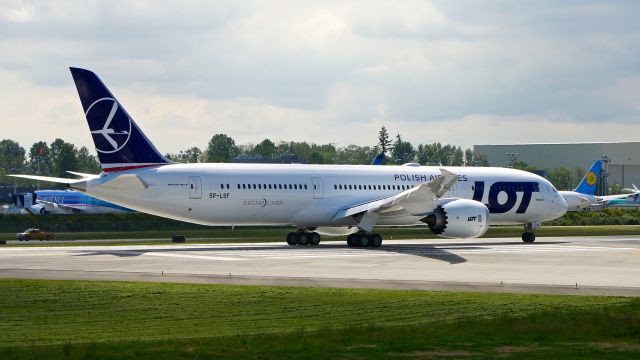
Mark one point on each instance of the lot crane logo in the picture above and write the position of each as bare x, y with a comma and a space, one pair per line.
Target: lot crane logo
591, 178
110, 125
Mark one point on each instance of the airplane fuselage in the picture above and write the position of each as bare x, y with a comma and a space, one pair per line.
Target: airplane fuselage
311, 195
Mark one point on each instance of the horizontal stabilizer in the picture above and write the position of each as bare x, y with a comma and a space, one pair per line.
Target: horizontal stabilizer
48, 178
83, 175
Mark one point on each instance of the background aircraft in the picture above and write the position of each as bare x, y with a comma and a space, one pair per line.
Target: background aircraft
631, 202
61, 202
584, 196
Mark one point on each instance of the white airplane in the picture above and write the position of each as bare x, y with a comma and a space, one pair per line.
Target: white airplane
456, 202
584, 196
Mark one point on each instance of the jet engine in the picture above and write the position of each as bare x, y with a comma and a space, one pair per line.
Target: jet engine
37, 209
459, 218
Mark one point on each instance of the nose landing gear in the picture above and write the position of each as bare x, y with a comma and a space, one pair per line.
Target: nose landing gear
528, 236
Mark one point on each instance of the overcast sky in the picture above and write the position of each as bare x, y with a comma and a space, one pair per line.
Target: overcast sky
460, 72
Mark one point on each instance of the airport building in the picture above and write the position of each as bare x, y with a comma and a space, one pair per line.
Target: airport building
624, 157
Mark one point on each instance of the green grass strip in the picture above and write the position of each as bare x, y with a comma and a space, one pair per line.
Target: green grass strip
80, 319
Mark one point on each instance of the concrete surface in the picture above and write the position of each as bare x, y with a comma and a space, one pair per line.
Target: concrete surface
566, 265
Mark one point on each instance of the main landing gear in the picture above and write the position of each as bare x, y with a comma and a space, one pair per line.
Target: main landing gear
362, 239
528, 236
303, 237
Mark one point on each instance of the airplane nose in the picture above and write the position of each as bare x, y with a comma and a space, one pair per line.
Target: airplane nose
561, 205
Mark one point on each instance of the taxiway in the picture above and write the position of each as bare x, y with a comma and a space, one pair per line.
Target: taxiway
569, 265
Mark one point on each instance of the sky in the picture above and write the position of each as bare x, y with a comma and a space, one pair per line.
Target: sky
459, 72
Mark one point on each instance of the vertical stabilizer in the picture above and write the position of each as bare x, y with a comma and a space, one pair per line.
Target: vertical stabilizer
589, 183
120, 143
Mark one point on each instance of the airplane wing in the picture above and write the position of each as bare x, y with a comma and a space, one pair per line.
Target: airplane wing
53, 207
416, 201
583, 199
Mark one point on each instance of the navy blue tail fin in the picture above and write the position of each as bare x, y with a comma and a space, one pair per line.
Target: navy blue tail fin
589, 183
120, 144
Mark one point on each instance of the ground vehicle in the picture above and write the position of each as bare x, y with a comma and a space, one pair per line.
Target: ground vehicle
35, 234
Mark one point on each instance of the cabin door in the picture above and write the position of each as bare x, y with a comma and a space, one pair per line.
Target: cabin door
195, 187
318, 188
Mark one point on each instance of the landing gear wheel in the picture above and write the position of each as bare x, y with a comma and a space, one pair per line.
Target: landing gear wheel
375, 240
292, 239
303, 239
351, 240
314, 238
528, 237
362, 240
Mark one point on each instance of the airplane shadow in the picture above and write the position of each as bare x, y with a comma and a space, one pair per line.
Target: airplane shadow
440, 251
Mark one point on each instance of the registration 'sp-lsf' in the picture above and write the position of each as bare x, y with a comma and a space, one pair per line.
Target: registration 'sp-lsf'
456, 202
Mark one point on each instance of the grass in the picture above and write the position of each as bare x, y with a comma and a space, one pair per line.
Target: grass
80, 319
277, 234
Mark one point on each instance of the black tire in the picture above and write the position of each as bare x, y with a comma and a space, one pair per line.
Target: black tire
303, 239
362, 240
292, 239
350, 240
48, 237
528, 237
375, 240
314, 238
26, 238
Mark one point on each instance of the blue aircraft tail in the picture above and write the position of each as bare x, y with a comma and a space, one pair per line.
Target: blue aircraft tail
589, 183
378, 160
120, 144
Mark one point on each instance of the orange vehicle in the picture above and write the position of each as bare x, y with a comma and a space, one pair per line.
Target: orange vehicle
35, 234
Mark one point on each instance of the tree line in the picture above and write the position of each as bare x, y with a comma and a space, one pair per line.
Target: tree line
60, 156
53, 159
223, 148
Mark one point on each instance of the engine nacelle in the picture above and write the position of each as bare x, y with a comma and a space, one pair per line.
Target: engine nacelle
459, 218
37, 209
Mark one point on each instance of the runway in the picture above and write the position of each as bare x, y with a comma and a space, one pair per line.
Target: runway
566, 265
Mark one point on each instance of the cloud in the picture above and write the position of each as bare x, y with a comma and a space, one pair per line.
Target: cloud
333, 71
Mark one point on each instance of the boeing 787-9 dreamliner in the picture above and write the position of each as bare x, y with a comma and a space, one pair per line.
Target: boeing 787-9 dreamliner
455, 202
